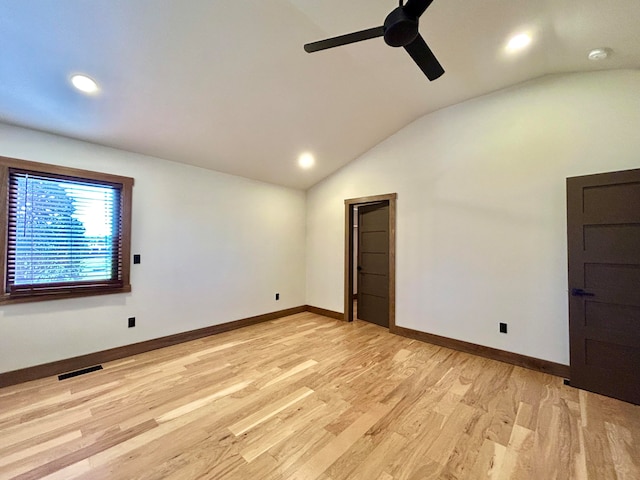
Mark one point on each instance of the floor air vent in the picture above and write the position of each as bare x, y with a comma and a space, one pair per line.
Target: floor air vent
64, 376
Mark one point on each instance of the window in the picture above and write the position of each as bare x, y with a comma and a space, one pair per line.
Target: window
66, 231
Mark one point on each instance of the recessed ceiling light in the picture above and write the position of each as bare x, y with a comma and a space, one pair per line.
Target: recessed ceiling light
306, 160
519, 42
598, 54
84, 83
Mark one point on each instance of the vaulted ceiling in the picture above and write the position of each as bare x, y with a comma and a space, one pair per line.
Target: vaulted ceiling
226, 85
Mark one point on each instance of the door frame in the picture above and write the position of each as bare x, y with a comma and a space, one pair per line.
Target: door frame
348, 253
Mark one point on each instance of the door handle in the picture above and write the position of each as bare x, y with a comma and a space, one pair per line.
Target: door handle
579, 292
359, 268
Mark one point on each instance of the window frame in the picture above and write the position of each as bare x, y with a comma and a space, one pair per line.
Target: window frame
81, 290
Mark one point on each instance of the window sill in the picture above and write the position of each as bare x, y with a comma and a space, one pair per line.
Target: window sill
87, 292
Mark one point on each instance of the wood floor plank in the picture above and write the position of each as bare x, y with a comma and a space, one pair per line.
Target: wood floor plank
291, 426
291, 372
55, 424
446, 439
269, 411
627, 466
86, 452
317, 464
308, 397
191, 406
380, 458
39, 447
489, 462
518, 456
22, 460
73, 471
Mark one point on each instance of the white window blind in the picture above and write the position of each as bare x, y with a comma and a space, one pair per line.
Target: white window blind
63, 234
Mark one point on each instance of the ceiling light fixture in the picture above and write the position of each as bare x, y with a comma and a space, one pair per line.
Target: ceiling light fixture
519, 42
598, 54
306, 160
84, 83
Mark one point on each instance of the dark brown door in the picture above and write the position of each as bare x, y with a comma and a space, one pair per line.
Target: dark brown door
373, 263
603, 215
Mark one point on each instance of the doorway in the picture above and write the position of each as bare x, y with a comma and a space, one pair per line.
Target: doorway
603, 229
370, 258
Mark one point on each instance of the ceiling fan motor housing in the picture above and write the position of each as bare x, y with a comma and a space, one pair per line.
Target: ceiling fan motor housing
400, 29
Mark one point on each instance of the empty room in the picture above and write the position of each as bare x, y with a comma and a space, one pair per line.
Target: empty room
317, 239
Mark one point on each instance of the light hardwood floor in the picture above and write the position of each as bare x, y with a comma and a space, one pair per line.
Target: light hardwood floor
307, 397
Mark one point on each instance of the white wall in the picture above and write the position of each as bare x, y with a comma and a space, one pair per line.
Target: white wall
215, 248
481, 232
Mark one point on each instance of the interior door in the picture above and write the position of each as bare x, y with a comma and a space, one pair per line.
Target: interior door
603, 216
373, 263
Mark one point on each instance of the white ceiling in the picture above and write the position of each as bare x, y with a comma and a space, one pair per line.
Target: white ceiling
227, 85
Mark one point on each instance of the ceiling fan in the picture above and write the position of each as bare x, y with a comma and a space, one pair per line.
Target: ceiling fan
400, 29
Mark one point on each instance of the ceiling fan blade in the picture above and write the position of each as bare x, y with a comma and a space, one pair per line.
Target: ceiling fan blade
425, 58
344, 39
416, 7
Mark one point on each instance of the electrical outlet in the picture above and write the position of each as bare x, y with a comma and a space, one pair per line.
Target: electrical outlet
277, 296
132, 322
503, 327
